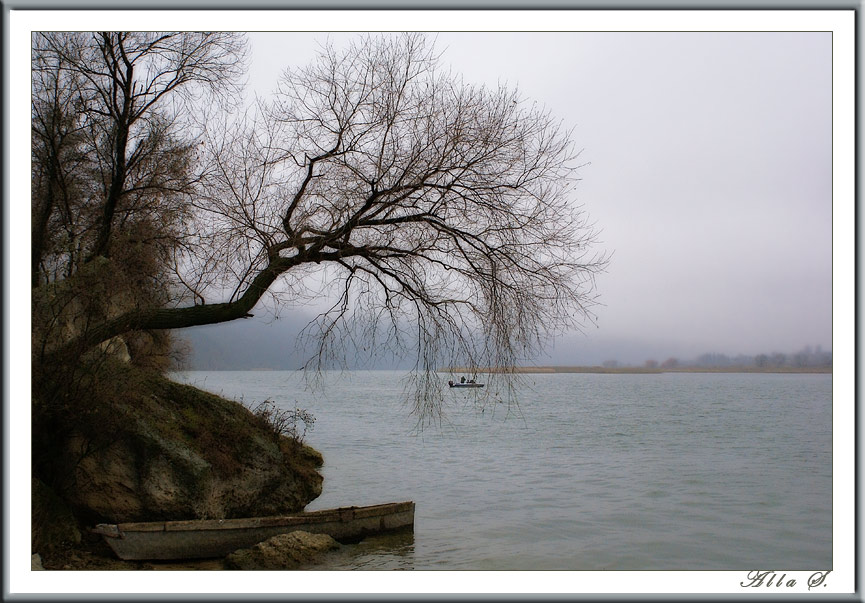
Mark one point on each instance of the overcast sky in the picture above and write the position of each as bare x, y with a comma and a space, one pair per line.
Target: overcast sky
710, 176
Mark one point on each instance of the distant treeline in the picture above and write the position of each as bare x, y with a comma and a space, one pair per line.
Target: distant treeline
808, 357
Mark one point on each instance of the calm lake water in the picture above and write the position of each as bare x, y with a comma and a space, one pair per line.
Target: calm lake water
592, 472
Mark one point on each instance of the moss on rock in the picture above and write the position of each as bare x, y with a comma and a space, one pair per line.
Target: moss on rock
152, 449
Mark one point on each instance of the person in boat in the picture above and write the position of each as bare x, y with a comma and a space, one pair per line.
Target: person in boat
451, 382
462, 379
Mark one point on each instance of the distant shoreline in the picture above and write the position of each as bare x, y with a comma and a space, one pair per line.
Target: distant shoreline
538, 370
636, 370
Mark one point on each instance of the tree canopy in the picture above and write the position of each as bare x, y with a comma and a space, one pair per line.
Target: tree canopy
441, 214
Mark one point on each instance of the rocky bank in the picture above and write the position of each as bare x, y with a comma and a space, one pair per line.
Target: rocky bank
164, 451
282, 552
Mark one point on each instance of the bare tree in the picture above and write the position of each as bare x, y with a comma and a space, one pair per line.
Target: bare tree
441, 214
113, 159
118, 93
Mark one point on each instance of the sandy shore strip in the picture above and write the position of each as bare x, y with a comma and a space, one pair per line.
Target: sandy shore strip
632, 370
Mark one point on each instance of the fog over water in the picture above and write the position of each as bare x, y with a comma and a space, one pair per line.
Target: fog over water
708, 172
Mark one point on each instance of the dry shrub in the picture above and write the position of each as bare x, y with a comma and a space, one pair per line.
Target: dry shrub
292, 423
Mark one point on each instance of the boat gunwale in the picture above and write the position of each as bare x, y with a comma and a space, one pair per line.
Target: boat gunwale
301, 518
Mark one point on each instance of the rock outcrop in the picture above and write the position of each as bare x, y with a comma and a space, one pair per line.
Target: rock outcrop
169, 451
284, 551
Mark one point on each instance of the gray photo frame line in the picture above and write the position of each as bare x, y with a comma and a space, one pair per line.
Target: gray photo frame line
334, 5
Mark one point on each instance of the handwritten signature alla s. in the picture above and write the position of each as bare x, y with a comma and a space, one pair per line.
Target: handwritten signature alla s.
769, 578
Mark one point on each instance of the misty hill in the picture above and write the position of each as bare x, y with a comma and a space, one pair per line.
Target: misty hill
246, 344
268, 343
259, 343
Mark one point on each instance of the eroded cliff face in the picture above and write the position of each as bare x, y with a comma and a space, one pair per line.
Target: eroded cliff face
171, 451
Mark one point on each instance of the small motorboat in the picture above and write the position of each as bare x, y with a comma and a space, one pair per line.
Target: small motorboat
464, 383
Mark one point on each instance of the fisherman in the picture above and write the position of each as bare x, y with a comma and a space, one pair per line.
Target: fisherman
462, 379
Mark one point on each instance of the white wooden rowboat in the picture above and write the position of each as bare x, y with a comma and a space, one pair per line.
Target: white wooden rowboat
206, 538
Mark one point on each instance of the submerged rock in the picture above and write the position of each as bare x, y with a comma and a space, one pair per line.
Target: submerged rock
284, 551
168, 451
